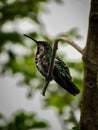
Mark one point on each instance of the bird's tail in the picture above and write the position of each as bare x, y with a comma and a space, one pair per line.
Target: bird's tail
68, 85
71, 87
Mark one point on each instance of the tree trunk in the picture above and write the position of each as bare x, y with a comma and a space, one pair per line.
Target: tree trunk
89, 111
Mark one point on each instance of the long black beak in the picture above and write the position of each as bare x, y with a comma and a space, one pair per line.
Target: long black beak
31, 38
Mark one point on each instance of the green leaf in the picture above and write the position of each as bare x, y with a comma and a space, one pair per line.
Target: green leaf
75, 128
1, 116
39, 124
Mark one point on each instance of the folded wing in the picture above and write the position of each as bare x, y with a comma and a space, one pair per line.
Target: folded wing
62, 76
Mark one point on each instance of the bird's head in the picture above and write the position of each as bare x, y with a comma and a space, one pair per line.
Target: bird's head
41, 45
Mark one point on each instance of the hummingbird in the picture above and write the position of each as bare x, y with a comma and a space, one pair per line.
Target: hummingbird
61, 73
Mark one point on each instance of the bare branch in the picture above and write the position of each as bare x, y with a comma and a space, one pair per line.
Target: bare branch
50, 71
49, 75
69, 41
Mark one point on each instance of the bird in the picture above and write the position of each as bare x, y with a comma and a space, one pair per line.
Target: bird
61, 74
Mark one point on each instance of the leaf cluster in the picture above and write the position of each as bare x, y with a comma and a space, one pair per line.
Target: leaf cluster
23, 121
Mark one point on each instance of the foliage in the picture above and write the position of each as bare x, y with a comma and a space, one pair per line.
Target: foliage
75, 128
23, 121
18, 57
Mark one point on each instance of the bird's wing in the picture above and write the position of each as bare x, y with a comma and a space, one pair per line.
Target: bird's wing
62, 68
62, 76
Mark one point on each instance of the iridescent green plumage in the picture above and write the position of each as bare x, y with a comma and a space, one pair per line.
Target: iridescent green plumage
62, 68
61, 72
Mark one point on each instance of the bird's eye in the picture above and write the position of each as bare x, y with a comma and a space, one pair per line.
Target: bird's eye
41, 49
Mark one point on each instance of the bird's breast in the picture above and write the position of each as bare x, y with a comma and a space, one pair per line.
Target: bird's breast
41, 64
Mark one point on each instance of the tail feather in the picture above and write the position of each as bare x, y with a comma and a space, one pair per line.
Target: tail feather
69, 86
66, 83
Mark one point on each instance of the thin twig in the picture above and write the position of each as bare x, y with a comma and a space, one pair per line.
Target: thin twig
50, 71
49, 75
72, 43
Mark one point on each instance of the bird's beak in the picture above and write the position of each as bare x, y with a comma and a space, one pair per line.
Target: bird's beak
31, 38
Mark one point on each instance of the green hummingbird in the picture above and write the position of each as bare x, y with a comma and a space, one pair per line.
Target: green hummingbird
61, 73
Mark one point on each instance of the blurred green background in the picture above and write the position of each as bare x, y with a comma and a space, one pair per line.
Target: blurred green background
20, 82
